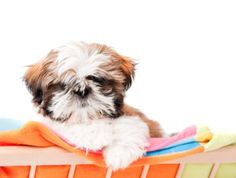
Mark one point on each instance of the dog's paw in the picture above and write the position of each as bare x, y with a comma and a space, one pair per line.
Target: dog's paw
85, 142
120, 157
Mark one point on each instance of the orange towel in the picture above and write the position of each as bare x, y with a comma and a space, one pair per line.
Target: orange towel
36, 134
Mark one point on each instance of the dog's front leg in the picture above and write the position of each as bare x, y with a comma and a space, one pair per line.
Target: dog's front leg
130, 137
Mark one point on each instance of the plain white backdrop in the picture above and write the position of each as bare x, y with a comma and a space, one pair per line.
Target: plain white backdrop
186, 52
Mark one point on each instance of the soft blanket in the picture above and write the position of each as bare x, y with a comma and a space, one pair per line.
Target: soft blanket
194, 139
191, 140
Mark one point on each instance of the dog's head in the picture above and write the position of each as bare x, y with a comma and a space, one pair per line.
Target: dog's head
80, 81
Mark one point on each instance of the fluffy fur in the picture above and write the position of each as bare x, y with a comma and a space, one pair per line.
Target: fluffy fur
80, 89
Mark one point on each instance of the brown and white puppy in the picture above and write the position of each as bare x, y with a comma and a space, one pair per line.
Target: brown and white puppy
80, 89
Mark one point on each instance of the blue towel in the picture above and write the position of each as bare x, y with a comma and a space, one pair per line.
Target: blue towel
10, 124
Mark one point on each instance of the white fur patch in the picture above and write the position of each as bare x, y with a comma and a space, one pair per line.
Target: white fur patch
122, 140
79, 57
92, 136
61, 105
129, 141
64, 105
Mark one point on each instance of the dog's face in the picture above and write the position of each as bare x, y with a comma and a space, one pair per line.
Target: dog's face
80, 81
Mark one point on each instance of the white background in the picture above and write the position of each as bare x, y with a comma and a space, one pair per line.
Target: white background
186, 52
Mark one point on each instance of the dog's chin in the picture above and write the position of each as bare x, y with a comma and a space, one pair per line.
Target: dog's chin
84, 103
85, 114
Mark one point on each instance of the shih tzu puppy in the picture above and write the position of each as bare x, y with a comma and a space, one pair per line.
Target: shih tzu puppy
79, 88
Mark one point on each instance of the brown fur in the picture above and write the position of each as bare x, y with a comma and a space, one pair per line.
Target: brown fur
38, 74
154, 127
126, 65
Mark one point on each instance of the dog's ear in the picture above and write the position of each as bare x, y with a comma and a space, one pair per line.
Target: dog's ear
128, 69
37, 78
126, 64
33, 80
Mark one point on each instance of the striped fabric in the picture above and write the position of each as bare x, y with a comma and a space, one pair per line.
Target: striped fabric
191, 140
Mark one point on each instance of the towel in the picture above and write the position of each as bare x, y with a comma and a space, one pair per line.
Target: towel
193, 139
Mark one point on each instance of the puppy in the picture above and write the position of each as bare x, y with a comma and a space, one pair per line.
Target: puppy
79, 88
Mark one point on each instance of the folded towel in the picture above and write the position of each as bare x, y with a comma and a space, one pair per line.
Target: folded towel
191, 140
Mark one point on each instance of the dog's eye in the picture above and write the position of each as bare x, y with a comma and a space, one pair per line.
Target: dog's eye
99, 80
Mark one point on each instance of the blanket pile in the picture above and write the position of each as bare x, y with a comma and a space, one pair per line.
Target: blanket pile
191, 140
194, 139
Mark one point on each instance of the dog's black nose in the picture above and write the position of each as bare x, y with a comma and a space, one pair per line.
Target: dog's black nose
84, 93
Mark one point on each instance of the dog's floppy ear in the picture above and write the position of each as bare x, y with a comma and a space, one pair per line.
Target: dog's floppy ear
37, 78
126, 64
128, 68
33, 80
